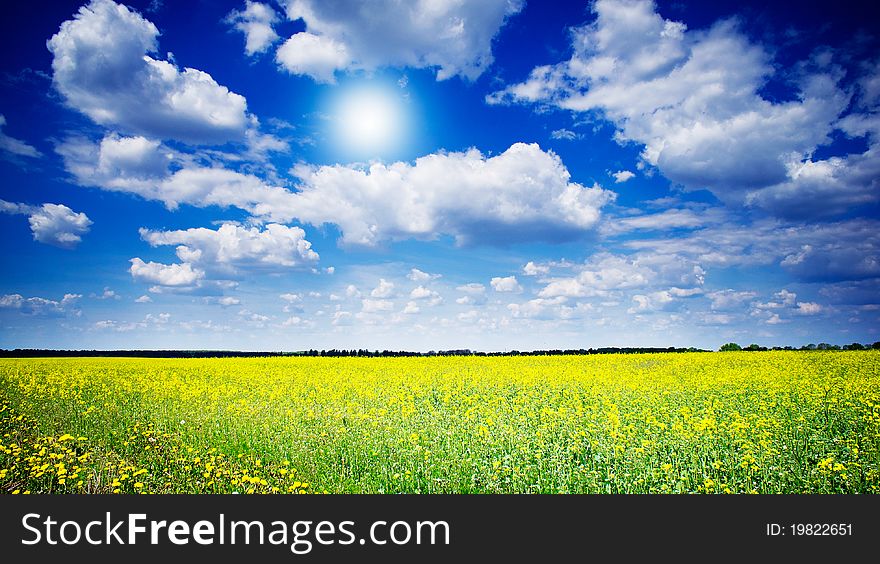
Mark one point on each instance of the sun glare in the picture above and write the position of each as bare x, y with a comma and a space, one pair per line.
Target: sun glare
369, 121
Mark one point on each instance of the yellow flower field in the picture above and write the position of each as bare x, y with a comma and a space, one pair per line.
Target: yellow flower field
771, 422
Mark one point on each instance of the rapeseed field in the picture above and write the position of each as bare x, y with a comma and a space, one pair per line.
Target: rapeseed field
710, 423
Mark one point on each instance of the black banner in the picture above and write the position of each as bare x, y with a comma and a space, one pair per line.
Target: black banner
409, 528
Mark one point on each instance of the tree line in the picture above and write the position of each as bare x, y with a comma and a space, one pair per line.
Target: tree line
727, 347
34, 353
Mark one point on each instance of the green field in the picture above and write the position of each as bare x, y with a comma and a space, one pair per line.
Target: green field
767, 422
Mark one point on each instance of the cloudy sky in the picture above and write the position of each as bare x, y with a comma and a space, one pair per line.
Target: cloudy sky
494, 175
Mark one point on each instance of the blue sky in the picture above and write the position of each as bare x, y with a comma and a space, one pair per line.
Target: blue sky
491, 175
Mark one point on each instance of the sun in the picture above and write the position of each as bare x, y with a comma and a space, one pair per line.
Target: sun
369, 121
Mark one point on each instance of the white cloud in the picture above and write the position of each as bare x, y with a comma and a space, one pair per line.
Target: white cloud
384, 289
420, 293
256, 22
374, 306
604, 272
53, 224
786, 299
41, 306
102, 67
429, 297
453, 37
473, 288
729, 299
145, 299
234, 246
160, 319
417, 275
538, 308
139, 166
812, 252
351, 291
784, 303
659, 300
692, 99
342, 318
411, 308
809, 308
475, 294
255, 319
313, 55
506, 284
829, 187
107, 294
774, 319
532, 269
674, 218
227, 301
522, 194
622, 176
291, 298
15, 146
165, 274
58, 225
565, 134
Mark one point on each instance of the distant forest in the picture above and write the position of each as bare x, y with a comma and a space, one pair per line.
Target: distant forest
728, 347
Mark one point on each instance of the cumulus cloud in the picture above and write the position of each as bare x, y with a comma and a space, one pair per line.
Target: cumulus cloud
426, 295
812, 252
140, 166
824, 188
602, 273
532, 269
784, 302
540, 308
475, 294
233, 246
411, 308
384, 289
107, 294
661, 299
453, 37
785, 299
41, 306
521, 194
417, 275
313, 55
809, 308
473, 288
53, 224
674, 218
165, 274
256, 22
693, 100
102, 66
565, 134
622, 176
342, 318
351, 291
374, 306
14, 146
729, 299
505, 284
